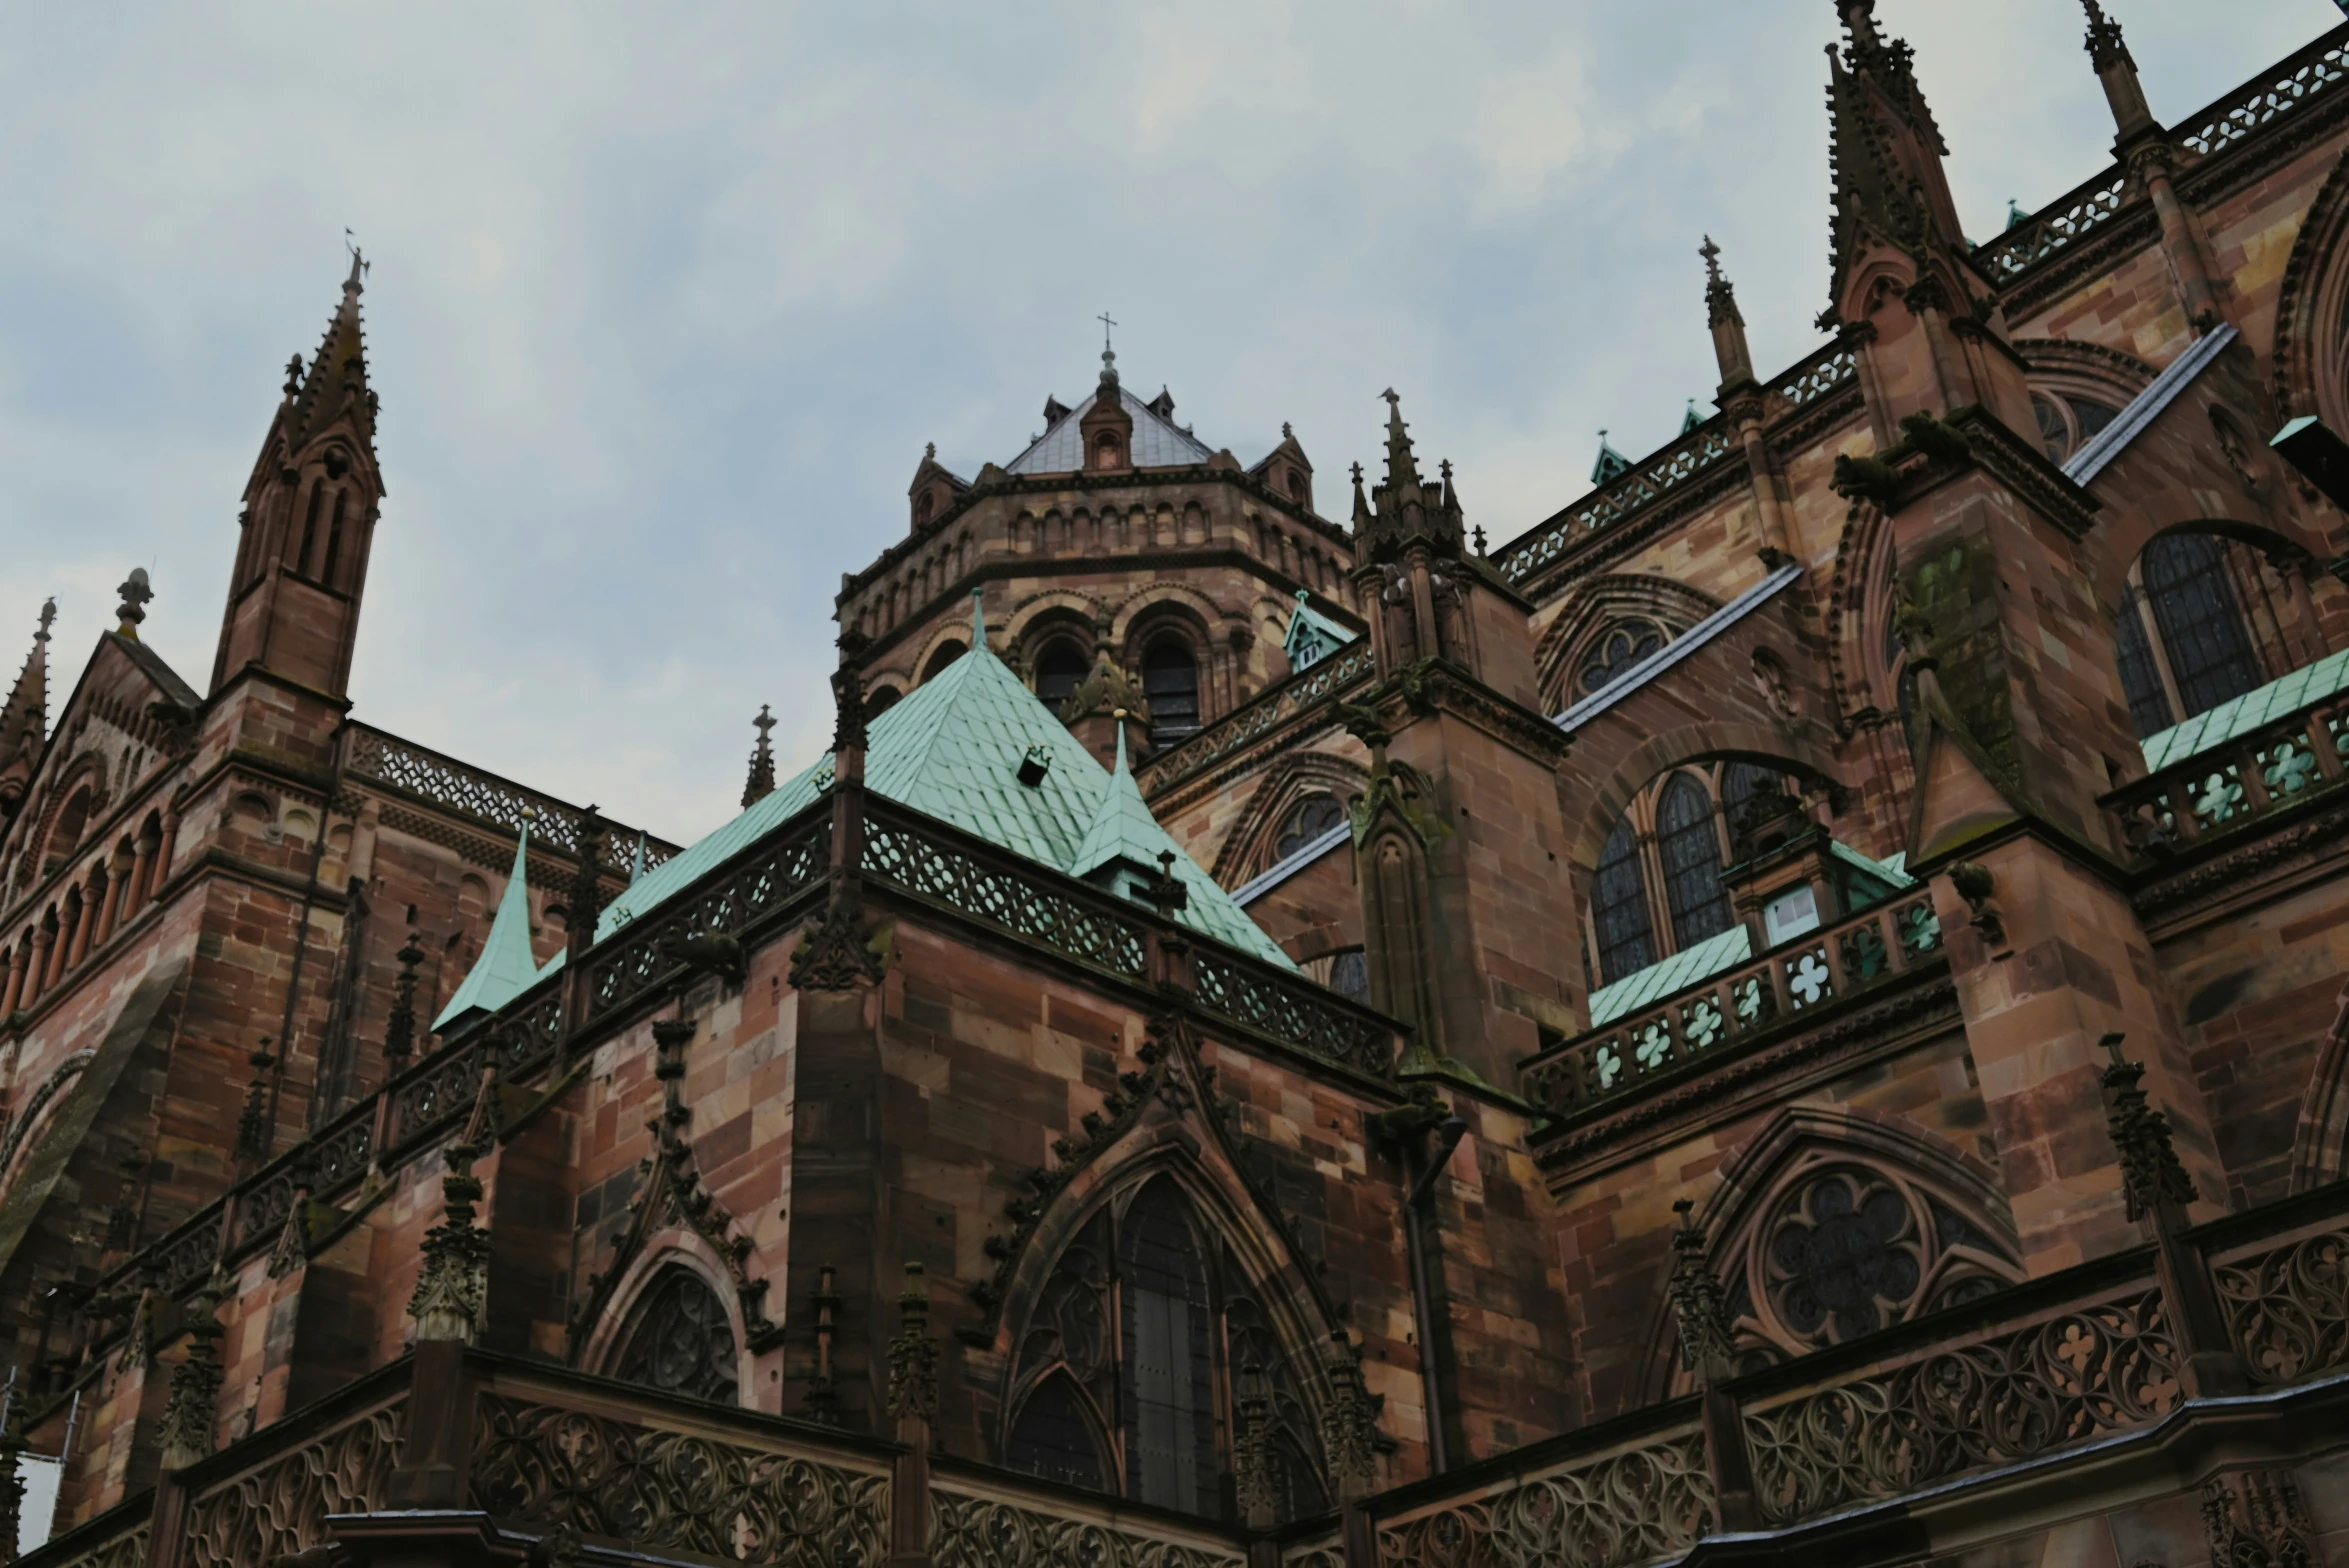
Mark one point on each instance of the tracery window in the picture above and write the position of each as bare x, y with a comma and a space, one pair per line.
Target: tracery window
2068, 423
680, 1340
1617, 650
1170, 680
1688, 844
1842, 1244
1060, 669
1128, 1361
1307, 820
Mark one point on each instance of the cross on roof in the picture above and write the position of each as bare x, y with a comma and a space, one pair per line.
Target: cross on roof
48, 615
1106, 324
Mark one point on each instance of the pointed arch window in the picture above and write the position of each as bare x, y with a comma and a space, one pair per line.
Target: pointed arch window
2149, 704
1307, 820
334, 536
1129, 1359
1619, 908
310, 526
1688, 843
680, 1340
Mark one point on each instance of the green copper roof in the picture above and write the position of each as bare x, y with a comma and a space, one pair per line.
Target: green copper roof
1684, 968
952, 749
2238, 716
1122, 827
1312, 636
506, 967
1716, 953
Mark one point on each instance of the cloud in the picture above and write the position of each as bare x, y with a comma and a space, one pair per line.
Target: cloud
666, 301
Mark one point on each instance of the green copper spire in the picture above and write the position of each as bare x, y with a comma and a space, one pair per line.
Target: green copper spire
506, 967
1122, 829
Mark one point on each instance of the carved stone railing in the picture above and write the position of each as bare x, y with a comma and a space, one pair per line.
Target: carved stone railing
1294, 1011
1324, 1550
469, 791
2287, 1302
980, 1519
1647, 482
2225, 787
2268, 98
1611, 1499
2061, 222
750, 891
910, 853
1267, 711
1788, 986
1987, 1402
744, 1490
275, 1501
117, 1538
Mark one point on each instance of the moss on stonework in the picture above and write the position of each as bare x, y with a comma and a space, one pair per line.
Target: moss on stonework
1955, 589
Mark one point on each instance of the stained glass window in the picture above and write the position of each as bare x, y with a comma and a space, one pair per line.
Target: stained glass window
1170, 1419
2201, 623
1053, 1440
1619, 908
1624, 645
680, 1340
1689, 845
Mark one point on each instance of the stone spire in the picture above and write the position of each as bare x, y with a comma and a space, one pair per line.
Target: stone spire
1404, 510
1885, 152
2108, 52
24, 718
1727, 325
761, 783
338, 372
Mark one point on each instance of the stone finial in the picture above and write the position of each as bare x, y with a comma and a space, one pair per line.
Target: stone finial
1349, 1428
1707, 1344
1255, 1481
2106, 47
2151, 1174
1720, 296
849, 712
133, 609
913, 1354
399, 1027
761, 783
254, 1134
452, 1290
192, 1415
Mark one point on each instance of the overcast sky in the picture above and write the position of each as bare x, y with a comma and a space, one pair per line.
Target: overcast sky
665, 300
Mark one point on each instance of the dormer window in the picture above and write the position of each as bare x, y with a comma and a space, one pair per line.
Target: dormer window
1108, 451
924, 505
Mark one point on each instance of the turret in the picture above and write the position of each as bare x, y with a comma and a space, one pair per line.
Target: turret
308, 519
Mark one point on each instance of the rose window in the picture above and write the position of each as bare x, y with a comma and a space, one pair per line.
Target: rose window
1845, 1257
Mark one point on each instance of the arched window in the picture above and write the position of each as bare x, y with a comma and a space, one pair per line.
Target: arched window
2068, 423
1307, 820
947, 653
1688, 843
1106, 453
924, 504
310, 525
66, 835
1135, 1348
1619, 908
680, 1340
1170, 680
1060, 668
2149, 704
2200, 620
334, 536
1617, 650
881, 701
